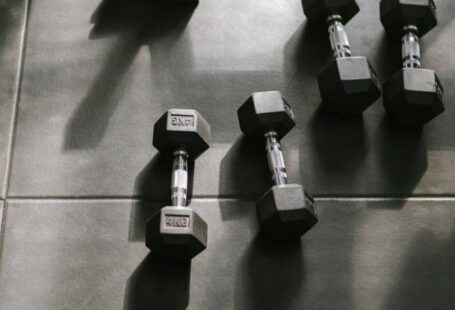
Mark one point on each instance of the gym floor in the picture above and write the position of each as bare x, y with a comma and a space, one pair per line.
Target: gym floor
81, 85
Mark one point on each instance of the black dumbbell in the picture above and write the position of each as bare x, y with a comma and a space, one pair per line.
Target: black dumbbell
285, 211
349, 84
412, 96
177, 232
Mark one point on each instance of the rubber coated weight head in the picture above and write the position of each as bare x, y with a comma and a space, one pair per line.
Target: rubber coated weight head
317, 11
286, 212
182, 129
395, 14
176, 234
413, 96
264, 112
349, 85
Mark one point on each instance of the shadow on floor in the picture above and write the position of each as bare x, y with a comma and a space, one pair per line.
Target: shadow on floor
270, 275
388, 57
402, 157
88, 124
244, 173
307, 52
156, 285
339, 143
133, 23
426, 277
8, 22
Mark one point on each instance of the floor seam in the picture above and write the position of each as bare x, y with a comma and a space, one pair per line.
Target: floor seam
218, 198
17, 96
13, 127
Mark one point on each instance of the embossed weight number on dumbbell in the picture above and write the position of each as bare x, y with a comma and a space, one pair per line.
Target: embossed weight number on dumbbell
177, 232
182, 120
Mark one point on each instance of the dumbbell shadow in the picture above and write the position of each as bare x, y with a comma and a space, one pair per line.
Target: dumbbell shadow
306, 53
387, 56
152, 19
340, 145
135, 23
270, 275
156, 284
402, 157
244, 171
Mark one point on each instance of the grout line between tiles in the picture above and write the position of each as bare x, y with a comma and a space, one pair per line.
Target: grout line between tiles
2, 224
227, 199
12, 132
17, 95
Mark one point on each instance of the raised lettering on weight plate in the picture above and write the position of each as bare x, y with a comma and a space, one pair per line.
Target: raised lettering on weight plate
177, 221
182, 120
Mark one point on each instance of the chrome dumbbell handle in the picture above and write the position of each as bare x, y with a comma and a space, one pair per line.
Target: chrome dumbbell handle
275, 158
410, 47
179, 183
338, 37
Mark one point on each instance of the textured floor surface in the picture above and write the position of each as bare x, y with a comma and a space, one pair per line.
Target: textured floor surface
81, 85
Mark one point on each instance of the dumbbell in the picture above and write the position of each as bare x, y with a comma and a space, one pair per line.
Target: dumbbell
412, 96
176, 232
286, 211
348, 85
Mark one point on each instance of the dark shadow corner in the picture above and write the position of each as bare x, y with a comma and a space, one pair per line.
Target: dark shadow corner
153, 190
388, 56
8, 20
403, 156
156, 284
149, 17
244, 173
306, 52
425, 280
270, 276
339, 143
112, 17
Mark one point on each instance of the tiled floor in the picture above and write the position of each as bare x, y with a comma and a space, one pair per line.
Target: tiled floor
82, 83
89, 254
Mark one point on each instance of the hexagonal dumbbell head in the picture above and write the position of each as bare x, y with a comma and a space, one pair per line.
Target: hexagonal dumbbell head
349, 85
182, 129
395, 14
264, 112
176, 234
317, 11
413, 96
286, 212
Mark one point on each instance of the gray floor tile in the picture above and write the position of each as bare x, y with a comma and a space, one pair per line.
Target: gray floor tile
12, 22
101, 86
362, 255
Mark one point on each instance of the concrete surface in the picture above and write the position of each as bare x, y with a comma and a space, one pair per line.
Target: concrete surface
101, 85
363, 255
81, 85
